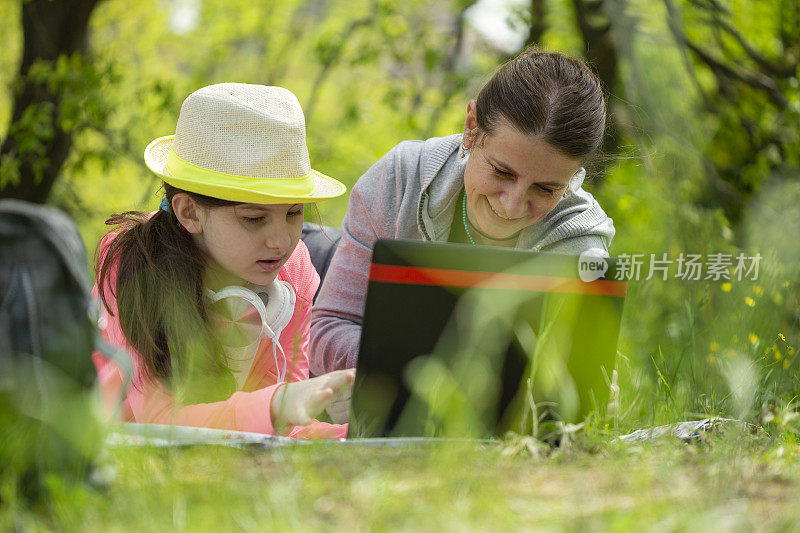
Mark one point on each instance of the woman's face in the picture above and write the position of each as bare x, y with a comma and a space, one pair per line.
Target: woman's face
513, 180
248, 242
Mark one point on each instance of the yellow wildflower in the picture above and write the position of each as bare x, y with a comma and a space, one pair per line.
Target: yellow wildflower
790, 349
785, 284
750, 302
785, 364
726, 287
714, 346
711, 358
778, 355
759, 290
753, 339
782, 337
730, 352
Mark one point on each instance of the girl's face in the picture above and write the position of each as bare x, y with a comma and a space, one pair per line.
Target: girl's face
513, 180
248, 242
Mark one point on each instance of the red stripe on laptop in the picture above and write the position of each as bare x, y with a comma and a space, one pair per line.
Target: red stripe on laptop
492, 280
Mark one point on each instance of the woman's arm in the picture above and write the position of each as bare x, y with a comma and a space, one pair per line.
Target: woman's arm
336, 321
371, 212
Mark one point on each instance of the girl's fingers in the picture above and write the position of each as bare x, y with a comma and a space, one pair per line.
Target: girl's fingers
341, 378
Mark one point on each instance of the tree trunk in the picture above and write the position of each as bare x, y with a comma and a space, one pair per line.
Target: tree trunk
600, 50
538, 23
51, 28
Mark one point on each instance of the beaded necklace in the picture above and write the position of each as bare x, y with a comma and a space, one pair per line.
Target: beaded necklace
464, 217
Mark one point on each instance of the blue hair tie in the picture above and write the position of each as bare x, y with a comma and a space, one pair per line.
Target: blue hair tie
164, 205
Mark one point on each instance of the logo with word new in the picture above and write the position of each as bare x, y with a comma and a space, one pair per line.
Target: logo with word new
592, 265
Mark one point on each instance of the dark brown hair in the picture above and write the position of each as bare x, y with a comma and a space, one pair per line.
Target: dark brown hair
159, 292
549, 95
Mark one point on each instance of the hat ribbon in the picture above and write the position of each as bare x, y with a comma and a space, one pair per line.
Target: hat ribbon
207, 181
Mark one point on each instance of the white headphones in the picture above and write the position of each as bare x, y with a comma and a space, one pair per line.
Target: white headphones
244, 318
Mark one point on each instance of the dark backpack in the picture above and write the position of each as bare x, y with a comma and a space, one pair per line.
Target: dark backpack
48, 420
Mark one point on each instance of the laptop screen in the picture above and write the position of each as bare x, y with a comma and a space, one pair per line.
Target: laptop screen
474, 341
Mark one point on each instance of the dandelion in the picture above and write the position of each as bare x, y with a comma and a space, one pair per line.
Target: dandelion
750, 302
778, 355
782, 337
785, 284
714, 346
758, 290
753, 339
785, 364
726, 287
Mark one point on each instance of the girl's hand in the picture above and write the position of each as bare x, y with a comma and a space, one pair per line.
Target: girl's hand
299, 402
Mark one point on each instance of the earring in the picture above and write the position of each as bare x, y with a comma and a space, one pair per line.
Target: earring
464, 151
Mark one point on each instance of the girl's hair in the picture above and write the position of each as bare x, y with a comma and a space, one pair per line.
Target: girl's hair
549, 95
159, 292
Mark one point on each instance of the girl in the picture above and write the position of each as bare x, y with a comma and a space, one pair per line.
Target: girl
212, 293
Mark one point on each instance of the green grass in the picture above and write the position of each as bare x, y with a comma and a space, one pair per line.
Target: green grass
729, 482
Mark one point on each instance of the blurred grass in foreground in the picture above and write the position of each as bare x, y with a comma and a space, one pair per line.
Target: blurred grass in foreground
730, 482
687, 349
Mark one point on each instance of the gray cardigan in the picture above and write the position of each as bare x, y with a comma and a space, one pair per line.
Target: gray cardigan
411, 193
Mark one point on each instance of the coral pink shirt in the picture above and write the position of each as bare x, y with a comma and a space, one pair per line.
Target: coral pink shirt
245, 410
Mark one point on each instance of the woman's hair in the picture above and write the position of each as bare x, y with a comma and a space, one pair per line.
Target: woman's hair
549, 95
159, 292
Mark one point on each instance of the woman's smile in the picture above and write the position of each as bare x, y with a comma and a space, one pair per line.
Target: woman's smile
501, 217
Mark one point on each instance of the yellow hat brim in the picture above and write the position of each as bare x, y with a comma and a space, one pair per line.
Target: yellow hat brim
237, 188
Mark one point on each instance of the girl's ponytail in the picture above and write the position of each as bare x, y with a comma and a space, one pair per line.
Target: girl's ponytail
154, 270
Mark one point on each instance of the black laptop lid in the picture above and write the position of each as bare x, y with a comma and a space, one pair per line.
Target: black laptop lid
471, 341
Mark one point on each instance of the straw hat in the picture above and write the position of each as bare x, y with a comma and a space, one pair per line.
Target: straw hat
241, 142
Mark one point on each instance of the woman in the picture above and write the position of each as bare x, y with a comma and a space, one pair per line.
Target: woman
211, 294
513, 179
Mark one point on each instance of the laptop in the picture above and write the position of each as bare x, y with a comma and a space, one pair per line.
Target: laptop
470, 342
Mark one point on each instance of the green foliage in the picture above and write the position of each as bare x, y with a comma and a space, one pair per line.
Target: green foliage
729, 482
32, 131
80, 83
10, 56
709, 165
745, 63
368, 75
